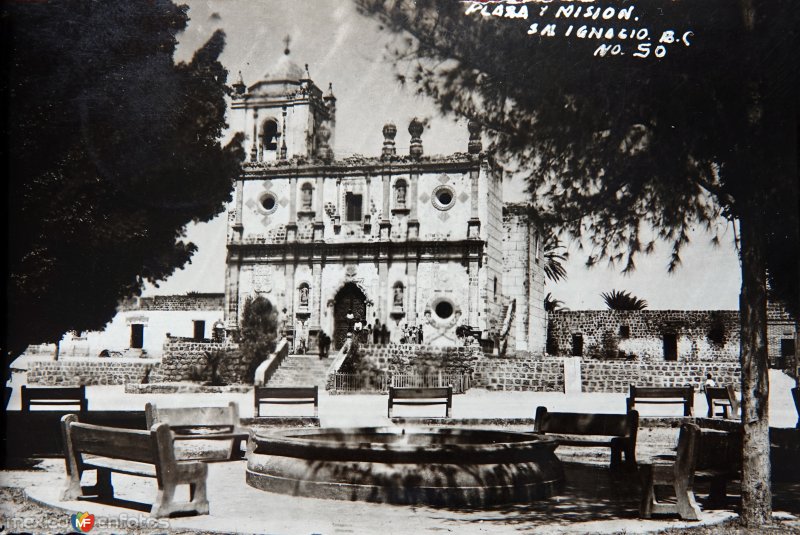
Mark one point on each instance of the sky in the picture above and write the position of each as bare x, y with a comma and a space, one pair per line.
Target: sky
348, 50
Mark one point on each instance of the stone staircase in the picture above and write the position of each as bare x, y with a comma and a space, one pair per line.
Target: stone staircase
301, 370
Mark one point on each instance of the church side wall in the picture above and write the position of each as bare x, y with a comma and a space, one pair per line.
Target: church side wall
491, 284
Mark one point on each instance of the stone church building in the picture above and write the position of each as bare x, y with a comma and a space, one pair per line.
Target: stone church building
393, 239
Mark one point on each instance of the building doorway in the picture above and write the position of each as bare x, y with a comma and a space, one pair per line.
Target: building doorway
349, 300
137, 336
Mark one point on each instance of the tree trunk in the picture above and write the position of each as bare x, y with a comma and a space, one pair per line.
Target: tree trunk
756, 493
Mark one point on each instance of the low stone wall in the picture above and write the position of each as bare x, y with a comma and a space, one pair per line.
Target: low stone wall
540, 375
598, 376
182, 355
411, 358
701, 335
92, 371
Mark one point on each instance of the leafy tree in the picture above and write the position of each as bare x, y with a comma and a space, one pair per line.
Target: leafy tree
113, 149
258, 332
555, 254
551, 304
622, 300
621, 151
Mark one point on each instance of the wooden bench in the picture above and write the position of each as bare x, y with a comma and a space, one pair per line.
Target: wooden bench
662, 395
701, 454
615, 431
285, 396
71, 397
133, 452
722, 396
202, 423
796, 397
719, 460
677, 473
421, 396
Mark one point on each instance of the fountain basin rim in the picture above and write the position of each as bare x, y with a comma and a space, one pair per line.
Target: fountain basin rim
304, 438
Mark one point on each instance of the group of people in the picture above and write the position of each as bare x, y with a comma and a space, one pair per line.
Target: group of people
412, 334
324, 342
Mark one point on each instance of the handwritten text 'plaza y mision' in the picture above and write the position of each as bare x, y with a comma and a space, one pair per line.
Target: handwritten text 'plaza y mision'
515, 11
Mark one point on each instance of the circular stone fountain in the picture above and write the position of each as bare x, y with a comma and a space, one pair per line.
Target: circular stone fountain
435, 466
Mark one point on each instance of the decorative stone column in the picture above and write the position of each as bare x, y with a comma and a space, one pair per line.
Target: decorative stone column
385, 224
291, 226
474, 148
232, 293
254, 144
316, 304
411, 312
473, 292
238, 227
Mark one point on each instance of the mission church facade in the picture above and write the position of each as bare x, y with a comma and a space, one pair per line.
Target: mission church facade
396, 239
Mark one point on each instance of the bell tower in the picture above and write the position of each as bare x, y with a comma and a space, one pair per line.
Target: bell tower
282, 115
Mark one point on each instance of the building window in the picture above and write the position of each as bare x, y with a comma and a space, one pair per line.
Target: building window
444, 309
137, 335
269, 203
787, 347
352, 204
307, 197
577, 345
199, 329
624, 331
269, 134
443, 197
670, 341
400, 192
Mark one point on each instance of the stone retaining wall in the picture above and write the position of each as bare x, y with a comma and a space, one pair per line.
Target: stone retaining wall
92, 371
182, 355
598, 376
540, 375
702, 335
410, 358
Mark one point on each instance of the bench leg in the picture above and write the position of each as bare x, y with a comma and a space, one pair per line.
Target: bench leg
73, 489
718, 492
616, 456
103, 488
197, 495
687, 506
648, 491
162, 507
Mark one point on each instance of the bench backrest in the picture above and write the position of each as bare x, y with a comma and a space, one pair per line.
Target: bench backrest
644, 392
309, 394
420, 393
719, 450
619, 425
223, 417
152, 447
723, 393
72, 396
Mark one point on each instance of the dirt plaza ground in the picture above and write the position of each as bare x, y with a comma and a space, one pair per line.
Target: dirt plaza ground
593, 499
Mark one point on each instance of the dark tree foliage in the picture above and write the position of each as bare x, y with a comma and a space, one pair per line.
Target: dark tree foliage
555, 254
622, 300
258, 332
621, 152
113, 149
551, 304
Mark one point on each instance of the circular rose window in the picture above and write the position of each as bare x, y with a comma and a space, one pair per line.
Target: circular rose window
443, 197
269, 203
444, 309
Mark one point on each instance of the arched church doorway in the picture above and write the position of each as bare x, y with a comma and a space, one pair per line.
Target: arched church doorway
349, 300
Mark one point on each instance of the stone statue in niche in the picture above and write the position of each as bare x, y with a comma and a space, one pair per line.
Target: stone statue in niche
306, 198
401, 194
304, 296
398, 296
